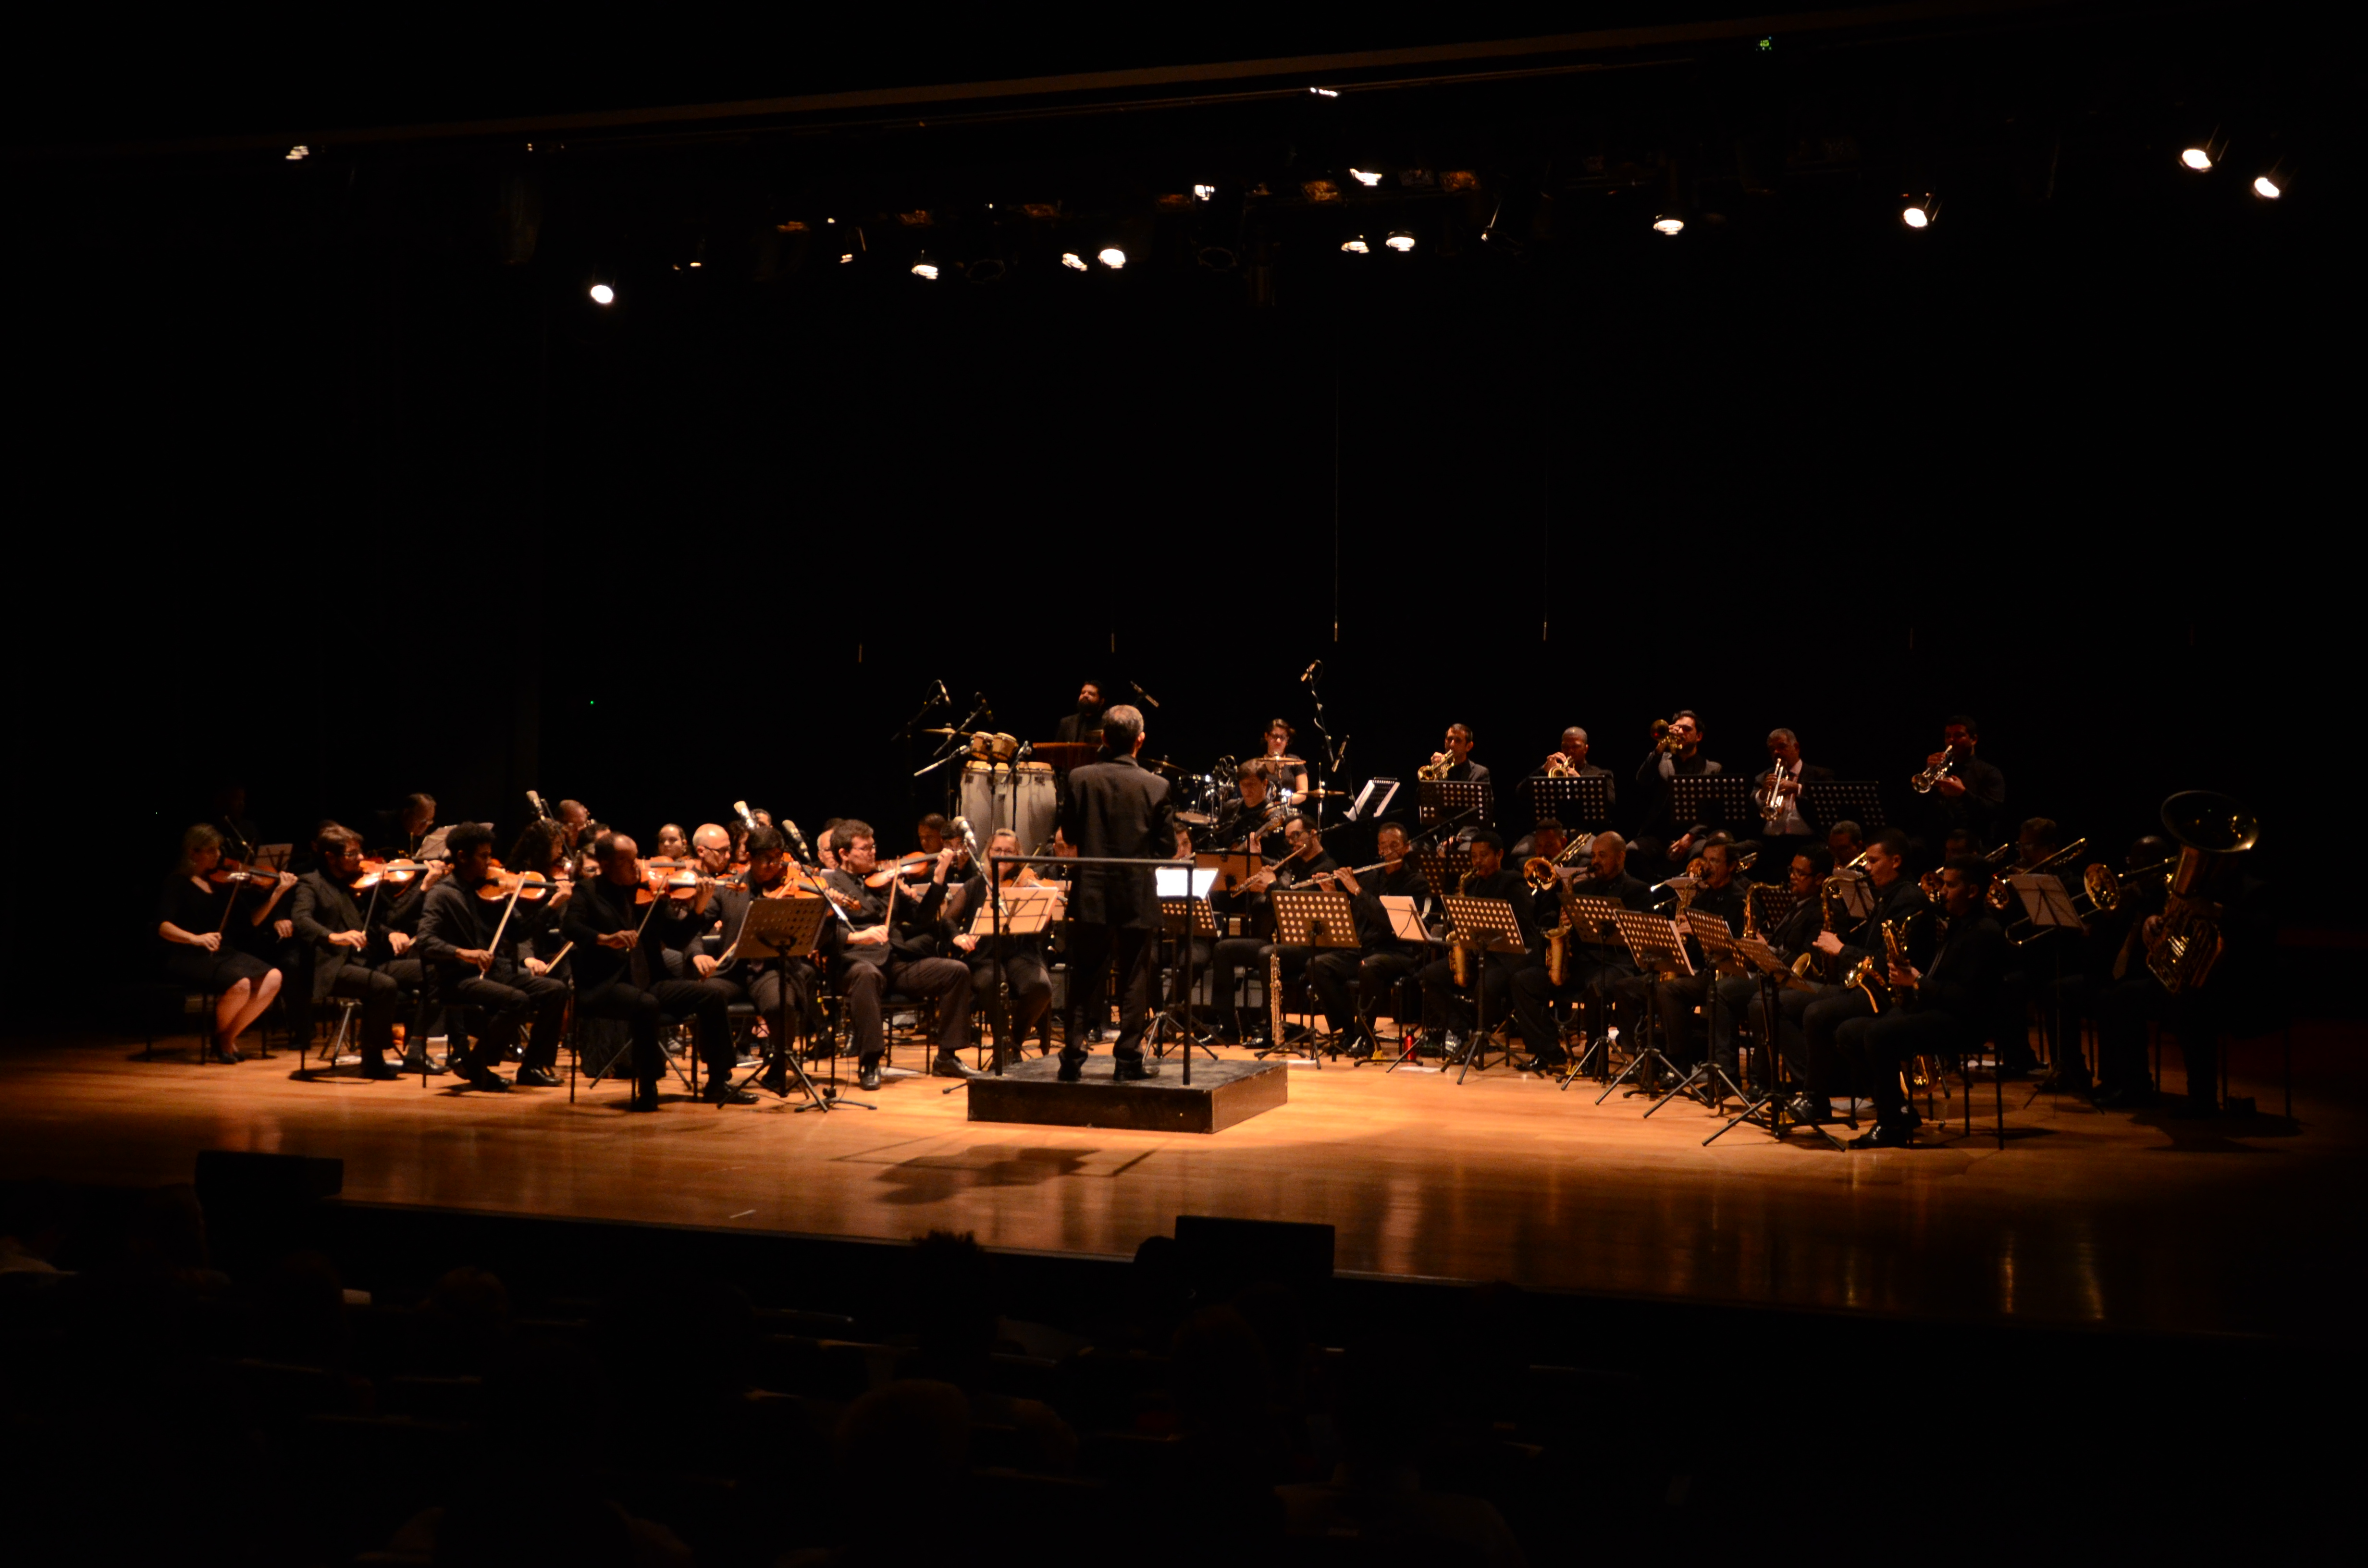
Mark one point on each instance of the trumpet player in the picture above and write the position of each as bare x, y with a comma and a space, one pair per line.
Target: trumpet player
1454, 764
1568, 760
1720, 891
1784, 828
1964, 791
1900, 904
1589, 971
1677, 752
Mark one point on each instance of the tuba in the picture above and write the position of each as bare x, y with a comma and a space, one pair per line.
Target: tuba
2211, 831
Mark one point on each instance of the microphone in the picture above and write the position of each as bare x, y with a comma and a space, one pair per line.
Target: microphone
1309, 673
944, 696
1145, 695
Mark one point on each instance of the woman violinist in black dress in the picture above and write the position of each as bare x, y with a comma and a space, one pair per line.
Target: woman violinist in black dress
193, 919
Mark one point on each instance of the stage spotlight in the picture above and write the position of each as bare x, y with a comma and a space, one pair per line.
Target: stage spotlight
1399, 241
926, 266
1111, 257
1357, 246
1073, 261
2202, 155
299, 152
1204, 192
1364, 178
1668, 224
2271, 186
1921, 213
2196, 158
603, 295
1324, 92
846, 257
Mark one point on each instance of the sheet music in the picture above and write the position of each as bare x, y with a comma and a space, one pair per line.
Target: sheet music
1406, 922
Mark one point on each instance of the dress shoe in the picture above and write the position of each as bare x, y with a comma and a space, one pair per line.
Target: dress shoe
776, 1082
868, 1077
378, 1067
223, 1050
645, 1097
1133, 1071
535, 1078
482, 1078
1071, 1071
417, 1063
723, 1091
949, 1065
1887, 1135
1809, 1112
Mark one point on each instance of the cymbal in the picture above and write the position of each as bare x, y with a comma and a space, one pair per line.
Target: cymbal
1195, 819
943, 730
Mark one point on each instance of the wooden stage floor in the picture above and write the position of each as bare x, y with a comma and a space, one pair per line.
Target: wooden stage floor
2085, 1217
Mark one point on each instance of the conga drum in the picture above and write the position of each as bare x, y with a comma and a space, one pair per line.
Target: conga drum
985, 797
1035, 807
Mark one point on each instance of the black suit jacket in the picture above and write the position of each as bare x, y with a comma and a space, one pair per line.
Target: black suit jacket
321, 908
1117, 809
1962, 977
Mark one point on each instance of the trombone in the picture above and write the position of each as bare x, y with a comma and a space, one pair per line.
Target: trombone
1539, 871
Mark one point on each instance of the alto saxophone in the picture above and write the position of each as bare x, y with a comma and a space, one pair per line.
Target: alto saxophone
1459, 951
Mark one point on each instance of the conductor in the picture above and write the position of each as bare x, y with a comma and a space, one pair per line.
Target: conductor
1117, 810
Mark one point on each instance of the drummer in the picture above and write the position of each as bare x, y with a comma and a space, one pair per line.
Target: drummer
1283, 769
1086, 723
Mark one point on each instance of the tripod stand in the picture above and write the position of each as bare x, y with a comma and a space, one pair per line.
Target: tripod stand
1720, 956
1653, 942
781, 929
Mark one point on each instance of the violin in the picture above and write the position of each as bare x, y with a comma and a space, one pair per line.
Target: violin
394, 873
527, 887
667, 878
909, 866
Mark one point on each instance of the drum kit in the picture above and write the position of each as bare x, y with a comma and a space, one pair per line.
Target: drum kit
1002, 788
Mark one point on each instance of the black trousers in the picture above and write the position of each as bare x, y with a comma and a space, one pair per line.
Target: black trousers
762, 987
1445, 1006
1204, 951
946, 979
1821, 1065
2123, 1008
643, 1007
1231, 957
1093, 951
1875, 1046
512, 999
1332, 974
380, 994
419, 979
1032, 994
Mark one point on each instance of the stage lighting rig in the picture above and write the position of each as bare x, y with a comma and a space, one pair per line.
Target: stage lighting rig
924, 267
1400, 241
602, 294
2202, 156
1355, 245
1073, 261
1111, 257
1919, 211
2273, 183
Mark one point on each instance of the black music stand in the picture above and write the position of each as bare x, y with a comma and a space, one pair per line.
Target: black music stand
1027, 911
1596, 923
1311, 917
1723, 958
1722, 800
1825, 802
1487, 921
1440, 798
1180, 920
1581, 802
782, 929
1653, 940
1404, 916
1444, 869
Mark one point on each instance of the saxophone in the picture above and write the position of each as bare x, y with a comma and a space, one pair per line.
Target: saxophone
1274, 997
1459, 951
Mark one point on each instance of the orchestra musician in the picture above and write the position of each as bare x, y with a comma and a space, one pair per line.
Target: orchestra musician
888, 949
344, 933
1015, 960
1086, 723
1787, 834
574, 816
1353, 986
1569, 761
194, 919
1454, 764
1972, 794
1248, 820
1115, 810
1845, 841
621, 972
1901, 905
1283, 770
673, 843
456, 937
770, 985
1591, 973
409, 824
1720, 891
1303, 860
713, 847
1740, 995
1677, 753
1447, 1011
1944, 1007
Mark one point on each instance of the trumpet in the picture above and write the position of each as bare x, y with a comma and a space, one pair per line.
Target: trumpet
1436, 769
1558, 766
1665, 739
1933, 773
1774, 805
1539, 871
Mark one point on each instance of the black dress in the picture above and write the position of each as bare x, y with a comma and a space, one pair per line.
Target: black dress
198, 910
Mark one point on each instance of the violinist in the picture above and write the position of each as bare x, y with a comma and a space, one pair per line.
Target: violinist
339, 923
1369, 970
574, 816
880, 953
541, 850
673, 843
1017, 961
717, 849
775, 987
464, 940
413, 820
621, 943
193, 919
